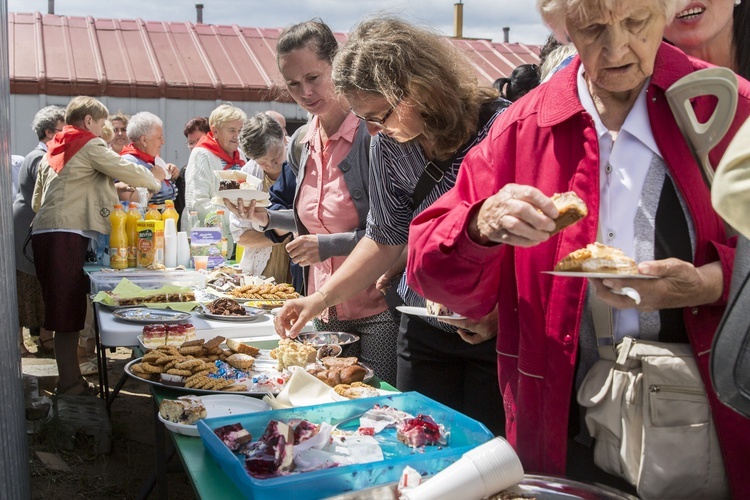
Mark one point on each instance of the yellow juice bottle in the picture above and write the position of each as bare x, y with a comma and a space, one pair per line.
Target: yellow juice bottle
131, 227
153, 212
170, 212
118, 239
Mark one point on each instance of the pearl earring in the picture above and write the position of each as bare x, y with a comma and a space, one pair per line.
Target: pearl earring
737, 2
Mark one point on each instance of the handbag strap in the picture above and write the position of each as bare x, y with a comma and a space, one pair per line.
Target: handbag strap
435, 170
603, 324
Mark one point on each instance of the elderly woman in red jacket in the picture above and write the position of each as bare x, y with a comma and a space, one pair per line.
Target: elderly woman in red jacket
601, 127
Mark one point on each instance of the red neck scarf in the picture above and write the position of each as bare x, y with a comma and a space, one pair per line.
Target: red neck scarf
209, 142
130, 149
65, 145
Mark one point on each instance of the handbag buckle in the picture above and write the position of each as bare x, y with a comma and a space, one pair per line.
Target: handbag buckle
434, 171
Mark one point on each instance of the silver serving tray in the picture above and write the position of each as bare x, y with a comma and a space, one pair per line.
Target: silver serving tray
319, 339
144, 315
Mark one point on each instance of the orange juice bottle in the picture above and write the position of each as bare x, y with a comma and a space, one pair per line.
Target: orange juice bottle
170, 212
153, 212
118, 239
131, 227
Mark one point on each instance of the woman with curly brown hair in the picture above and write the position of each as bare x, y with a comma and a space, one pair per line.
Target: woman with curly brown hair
422, 103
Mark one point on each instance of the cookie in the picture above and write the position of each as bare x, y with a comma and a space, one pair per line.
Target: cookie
214, 342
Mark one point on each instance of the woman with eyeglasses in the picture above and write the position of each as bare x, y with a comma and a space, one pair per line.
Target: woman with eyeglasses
421, 101
330, 159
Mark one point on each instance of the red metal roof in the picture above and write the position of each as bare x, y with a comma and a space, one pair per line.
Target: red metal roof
61, 55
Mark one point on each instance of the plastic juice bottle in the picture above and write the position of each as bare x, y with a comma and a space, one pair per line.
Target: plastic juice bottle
170, 212
118, 239
153, 212
224, 233
131, 227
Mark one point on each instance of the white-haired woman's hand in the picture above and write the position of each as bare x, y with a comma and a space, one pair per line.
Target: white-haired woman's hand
248, 211
516, 215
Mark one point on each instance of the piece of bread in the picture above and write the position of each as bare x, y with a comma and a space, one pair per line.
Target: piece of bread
237, 346
598, 258
571, 209
342, 375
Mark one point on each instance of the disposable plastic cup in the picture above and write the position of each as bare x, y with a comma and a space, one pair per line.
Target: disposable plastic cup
461, 480
498, 464
481, 472
200, 262
183, 249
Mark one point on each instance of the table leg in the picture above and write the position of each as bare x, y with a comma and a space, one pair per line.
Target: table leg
161, 455
101, 360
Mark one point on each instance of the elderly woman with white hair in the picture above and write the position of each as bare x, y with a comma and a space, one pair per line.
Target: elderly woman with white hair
146, 134
601, 127
217, 150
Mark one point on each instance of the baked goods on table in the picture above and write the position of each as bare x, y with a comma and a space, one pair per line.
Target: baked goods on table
265, 291
293, 353
356, 390
226, 307
237, 346
161, 334
334, 371
185, 410
570, 208
598, 258
153, 298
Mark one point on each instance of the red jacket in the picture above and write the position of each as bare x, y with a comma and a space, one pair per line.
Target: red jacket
547, 140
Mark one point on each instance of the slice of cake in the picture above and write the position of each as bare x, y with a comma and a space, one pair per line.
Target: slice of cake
273, 453
229, 184
419, 431
571, 209
154, 335
436, 309
183, 410
176, 334
236, 437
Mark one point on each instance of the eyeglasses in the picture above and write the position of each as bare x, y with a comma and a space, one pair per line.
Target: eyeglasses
379, 121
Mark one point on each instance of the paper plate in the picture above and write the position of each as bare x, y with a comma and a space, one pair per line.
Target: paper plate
220, 405
234, 195
570, 274
422, 313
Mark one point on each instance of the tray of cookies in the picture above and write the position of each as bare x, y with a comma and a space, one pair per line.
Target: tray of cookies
215, 367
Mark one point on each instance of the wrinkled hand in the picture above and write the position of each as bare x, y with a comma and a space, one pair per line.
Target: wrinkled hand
304, 250
386, 280
476, 332
172, 171
248, 211
512, 216
296, 313
680, 284
159, 173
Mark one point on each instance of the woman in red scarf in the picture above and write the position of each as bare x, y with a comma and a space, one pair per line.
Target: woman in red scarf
73, 197
217, 150
146, 134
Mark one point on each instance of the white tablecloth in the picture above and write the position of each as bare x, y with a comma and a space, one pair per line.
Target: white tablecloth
118, 333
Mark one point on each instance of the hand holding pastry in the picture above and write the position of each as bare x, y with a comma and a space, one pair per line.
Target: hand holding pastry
516, 215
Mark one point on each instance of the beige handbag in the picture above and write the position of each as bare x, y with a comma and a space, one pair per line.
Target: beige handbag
647, 408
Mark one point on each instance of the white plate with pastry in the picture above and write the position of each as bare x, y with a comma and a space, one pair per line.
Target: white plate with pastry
246, 195
422, 313
218, 405
582, 274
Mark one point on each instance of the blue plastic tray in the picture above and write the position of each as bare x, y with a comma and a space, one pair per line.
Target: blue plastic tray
465, 434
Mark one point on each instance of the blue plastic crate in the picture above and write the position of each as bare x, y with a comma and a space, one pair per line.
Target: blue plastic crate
465, 434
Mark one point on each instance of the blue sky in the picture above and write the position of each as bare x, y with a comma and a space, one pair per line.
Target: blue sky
482, 18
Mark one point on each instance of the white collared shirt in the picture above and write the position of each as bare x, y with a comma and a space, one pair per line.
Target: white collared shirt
624, 165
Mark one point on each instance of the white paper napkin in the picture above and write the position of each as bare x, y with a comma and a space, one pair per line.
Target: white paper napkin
302, 389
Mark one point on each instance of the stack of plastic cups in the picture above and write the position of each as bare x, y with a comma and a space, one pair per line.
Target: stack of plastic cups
479, 473
170, 243
183, 249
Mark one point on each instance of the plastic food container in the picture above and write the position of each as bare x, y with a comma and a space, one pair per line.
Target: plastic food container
465, 434
103, 281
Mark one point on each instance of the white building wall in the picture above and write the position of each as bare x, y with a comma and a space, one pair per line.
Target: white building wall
173, 112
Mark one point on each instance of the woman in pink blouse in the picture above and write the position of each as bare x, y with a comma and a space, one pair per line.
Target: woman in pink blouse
330, 159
